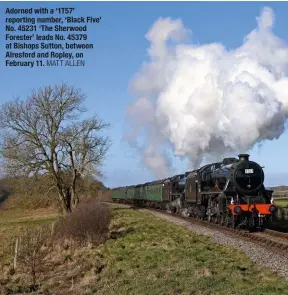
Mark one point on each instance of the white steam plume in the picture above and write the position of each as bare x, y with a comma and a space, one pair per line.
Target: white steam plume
205, 101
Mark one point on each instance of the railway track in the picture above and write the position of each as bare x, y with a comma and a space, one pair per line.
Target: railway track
273, 240
275, 233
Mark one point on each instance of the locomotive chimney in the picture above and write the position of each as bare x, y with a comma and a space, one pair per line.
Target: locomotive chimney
243, 157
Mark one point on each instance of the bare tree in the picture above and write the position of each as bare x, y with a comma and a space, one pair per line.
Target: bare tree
44, 134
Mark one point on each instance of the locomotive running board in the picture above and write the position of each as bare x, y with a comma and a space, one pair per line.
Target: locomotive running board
212, 193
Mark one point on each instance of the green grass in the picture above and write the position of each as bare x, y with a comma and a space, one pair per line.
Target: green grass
283, 202
157, 257
152, 257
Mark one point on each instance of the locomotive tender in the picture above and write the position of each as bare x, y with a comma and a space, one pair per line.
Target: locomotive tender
230, 193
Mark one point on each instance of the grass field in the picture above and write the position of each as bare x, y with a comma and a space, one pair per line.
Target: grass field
150, 256
12, 223
157, 257
281, 202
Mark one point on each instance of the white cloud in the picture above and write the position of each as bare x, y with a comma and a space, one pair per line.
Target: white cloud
204, 100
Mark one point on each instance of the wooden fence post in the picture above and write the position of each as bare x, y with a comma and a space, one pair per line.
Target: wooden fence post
52, 228
15, 253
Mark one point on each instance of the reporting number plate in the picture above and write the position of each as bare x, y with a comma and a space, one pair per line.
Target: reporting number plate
249, 171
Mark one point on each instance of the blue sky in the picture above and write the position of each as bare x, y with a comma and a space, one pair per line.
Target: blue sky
120, 49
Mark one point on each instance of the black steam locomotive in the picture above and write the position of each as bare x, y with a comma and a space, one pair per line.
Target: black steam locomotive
230, 193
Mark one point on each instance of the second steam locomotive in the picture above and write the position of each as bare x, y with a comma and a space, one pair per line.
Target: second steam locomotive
231, 193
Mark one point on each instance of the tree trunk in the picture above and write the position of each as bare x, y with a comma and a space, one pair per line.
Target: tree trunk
68, 197
65, 199
74, 195
74, 198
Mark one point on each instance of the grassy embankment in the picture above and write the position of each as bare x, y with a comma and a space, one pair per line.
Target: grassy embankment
13, 222
149, 256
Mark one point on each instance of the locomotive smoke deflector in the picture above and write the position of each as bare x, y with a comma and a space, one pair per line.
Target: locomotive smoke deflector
243, 157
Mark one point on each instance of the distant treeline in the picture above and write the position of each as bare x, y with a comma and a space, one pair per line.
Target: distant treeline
37, 192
